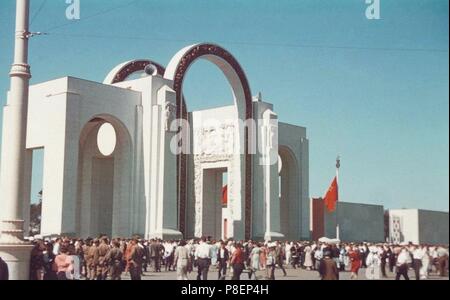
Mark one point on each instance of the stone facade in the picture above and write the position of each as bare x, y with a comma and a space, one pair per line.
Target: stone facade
145, 187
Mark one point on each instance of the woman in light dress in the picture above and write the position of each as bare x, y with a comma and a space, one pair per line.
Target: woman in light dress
308, 264
373, 263
287, 250
425, 263
181, 260
255, 260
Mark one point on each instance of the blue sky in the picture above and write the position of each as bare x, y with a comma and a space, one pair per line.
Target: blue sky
374, 91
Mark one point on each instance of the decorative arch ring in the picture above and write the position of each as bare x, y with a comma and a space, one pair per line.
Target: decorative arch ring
176, 71
123, 71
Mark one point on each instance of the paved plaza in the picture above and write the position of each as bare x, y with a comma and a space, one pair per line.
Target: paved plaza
292, 274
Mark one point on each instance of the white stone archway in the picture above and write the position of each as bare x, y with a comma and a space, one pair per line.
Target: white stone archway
104, 194
176, 72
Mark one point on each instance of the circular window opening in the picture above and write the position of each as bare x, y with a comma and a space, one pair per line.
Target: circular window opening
106, 139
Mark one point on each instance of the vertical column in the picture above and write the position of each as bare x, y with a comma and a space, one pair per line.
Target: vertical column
269, 142
258, 205
138, 201
12, 247
162, 220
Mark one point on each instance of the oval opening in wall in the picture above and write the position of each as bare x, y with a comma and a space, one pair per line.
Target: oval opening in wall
106, 139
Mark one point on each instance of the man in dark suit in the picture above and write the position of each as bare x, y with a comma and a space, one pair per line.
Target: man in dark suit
155, 255
4, 273
222, 259
384, 258
146, 258
280, 255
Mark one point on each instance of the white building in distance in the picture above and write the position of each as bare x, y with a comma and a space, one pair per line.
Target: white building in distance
418, 226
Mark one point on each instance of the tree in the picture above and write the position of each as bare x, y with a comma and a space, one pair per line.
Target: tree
35, 216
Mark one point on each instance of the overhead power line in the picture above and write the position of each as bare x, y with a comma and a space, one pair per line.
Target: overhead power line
38, 12
50, 31
100, 13
258, 44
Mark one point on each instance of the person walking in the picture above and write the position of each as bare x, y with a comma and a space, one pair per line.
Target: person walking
308, 264
146, 257
335, 254
79, 254
295, 256
135, 260
364, 253
318, 255
63, 263
37, 263
287, 250
403, 261
102, 268
181, 260
391, 258
113, 260
214, 248
355, 260
85, 269
237, 262
263, 256
56, 247
442, 261
155, 255
255, 260
418, 254
222, 259
271, 260
280, 258
373, 264
92, 260
168, 255
425, 264
342, 258
49, 258
203, 257
384, 257
328, 269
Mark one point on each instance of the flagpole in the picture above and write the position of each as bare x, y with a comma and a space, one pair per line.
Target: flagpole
338, 166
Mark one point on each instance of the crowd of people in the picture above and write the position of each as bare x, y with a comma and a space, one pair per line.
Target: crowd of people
102, 259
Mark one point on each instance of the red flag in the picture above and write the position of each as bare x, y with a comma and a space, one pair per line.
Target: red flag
225, 195
331, 197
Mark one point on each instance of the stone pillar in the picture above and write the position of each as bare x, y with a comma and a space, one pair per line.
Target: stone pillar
13, 249
269, 140
162, 219
138, 209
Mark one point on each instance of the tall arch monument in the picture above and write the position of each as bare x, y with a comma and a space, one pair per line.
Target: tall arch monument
127, 156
